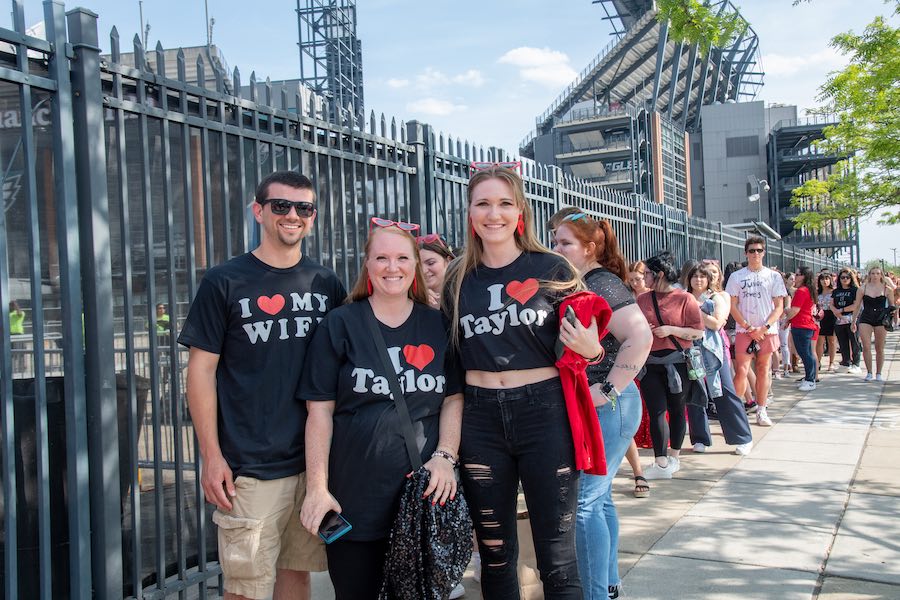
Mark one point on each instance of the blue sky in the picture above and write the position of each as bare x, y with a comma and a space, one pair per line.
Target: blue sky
484, 70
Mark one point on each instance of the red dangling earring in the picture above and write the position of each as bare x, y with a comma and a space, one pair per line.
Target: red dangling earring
369, 285
472, 228
415, 286
520, 227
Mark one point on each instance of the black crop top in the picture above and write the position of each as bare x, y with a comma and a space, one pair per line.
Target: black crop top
507, 321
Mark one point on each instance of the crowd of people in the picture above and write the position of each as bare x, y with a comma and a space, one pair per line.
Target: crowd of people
524, 367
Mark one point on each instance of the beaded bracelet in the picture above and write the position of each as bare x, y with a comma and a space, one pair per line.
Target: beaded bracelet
447, 455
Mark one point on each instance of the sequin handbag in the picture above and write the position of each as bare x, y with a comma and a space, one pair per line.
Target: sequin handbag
430, 545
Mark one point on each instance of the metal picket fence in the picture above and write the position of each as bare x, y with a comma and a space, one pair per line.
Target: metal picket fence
121, 188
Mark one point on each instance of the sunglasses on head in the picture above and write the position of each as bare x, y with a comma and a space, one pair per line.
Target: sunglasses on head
484, 166
755, 250
575, 216
430, 238
283, 207
408, 227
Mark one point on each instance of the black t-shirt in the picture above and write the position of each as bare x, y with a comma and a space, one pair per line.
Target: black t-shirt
259, 320
508, 320
844, 297
607, 285
368, 462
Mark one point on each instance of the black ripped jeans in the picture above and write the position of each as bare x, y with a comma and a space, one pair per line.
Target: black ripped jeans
521, 434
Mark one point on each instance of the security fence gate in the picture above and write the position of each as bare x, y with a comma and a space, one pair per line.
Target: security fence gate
121, 187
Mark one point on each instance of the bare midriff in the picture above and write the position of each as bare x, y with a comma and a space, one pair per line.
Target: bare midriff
510, 379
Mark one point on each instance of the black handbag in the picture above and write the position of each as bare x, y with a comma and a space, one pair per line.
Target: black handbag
887, 317
430, 546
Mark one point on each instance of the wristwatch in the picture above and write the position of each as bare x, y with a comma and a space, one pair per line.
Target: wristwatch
610, 391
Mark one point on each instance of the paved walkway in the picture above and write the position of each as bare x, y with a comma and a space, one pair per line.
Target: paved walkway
812, 513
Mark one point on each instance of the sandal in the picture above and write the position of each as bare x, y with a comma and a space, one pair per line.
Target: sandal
641, 487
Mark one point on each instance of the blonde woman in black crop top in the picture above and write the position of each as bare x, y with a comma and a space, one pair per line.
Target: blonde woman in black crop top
502, 297
873, 295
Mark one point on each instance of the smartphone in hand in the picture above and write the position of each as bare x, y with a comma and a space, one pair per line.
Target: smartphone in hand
572, 319
333, 526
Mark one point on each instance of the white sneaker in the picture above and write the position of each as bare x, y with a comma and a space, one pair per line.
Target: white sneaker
878, 377
458, 592
476, 566
762, 418
807, 386
675, 463
868, 377
743, 449
854, 369
699, 448
654, 471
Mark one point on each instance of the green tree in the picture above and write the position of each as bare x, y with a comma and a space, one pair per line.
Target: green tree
695, 22
865, 96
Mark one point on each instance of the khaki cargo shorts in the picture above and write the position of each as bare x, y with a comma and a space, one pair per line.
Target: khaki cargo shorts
263, 533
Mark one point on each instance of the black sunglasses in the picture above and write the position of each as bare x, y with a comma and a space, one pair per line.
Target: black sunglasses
283, 207
756, 250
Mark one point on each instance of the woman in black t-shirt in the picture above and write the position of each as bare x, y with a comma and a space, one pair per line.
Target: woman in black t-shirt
843, 305
502, 296
356, 456
592, 247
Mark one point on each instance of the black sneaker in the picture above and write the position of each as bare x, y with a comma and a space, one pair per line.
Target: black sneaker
613, 592
749, 407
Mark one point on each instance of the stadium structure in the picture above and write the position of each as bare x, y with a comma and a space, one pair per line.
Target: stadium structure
634, 116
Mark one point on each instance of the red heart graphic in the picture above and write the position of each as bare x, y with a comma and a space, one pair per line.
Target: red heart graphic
522, 291
271, 305
418, 356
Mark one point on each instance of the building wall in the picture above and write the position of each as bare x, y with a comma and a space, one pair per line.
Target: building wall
734, 151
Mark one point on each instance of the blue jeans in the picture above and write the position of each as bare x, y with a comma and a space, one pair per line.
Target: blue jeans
597, 523
803, 344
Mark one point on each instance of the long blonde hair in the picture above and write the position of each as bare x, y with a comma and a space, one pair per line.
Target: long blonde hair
416, 291
474, 250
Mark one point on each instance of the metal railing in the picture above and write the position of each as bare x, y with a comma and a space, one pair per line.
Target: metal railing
99, 483
815, 119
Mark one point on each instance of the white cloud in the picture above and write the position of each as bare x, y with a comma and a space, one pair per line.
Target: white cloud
397, 83
540, 65
432, 78
435, 107
780, 65
472, 77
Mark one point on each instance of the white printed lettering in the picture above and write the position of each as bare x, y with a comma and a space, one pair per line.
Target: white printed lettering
245, 308
496, 301
258, 330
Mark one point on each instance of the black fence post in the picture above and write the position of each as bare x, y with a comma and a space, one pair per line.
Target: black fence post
421, 201
721, 248
66, 208
97, 290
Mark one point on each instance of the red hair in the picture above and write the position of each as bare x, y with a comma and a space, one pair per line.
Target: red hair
601, 233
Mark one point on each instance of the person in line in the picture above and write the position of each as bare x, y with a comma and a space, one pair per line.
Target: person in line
357, 459
704, 284
843, 305
803, 325
592, 247
757, 299
635, 283
436, 256
784, 326
666, 385
749, 397
248, 330
872, 298
825, 284
502, 297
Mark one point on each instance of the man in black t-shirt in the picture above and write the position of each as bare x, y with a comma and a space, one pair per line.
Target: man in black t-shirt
248, 329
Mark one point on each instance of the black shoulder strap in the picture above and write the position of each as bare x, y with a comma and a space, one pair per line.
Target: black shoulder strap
399, 399
659, 318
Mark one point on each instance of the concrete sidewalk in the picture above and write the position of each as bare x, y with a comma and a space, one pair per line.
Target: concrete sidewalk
813, 512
